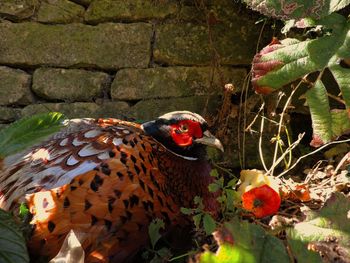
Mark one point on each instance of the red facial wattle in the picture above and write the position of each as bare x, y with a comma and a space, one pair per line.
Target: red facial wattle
184, 137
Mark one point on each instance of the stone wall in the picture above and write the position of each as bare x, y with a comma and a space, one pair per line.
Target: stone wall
112, 58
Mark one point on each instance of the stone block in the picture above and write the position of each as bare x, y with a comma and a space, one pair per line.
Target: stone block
82, 2
216, 12
60, 11
136, 84
131, 10
18, 9
69, 84
80, 109
15, 87
105, 46
149, 109
189, 44
9, 114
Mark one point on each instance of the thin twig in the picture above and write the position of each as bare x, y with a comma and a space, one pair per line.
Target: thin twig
245, 92
311, 153
290, 153
342, 161
257, 115
274, 164
241, 146
260, 141
290, 148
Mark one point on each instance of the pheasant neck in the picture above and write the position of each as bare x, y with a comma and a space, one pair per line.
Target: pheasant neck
185, 179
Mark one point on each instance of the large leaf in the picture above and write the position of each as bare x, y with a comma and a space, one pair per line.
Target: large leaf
28, 131
297, 8
12, 244
251, 244
283, 62
328, 230
327, 124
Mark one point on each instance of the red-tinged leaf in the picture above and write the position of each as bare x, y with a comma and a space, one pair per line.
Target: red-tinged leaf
281, 63
297, 8
296, 192
261, 68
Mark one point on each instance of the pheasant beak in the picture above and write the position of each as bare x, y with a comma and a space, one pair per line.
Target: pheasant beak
210, 140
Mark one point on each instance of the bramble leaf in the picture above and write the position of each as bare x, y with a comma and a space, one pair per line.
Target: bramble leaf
297, 8
13, 248
28, 131
285, 61
326, 230
243, 242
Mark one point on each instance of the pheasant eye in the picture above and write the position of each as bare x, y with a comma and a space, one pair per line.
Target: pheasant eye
184, 128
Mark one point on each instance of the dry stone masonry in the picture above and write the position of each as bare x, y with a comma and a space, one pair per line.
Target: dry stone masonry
114, 58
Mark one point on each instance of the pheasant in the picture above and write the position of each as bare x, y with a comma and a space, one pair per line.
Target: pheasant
107, 179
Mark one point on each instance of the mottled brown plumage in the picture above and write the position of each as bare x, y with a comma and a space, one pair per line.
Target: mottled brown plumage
107, 179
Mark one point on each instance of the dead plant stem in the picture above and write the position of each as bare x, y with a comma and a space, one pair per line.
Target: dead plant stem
311, 153
274, 164
260, 139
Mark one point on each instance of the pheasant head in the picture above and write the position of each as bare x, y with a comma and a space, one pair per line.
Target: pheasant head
184, 133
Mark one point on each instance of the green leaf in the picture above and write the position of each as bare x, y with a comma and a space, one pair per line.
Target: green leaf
153, 230
297, 8
227, 254
342, 76
213, 187
317, 100
23, 210
251, 245
214, 173
28, 131
197, 220
209, 224
232, 182
230, 199
186, 211
321, 227
221, 198
279, 64
327, 124
198, 201
12, 244
299, 248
